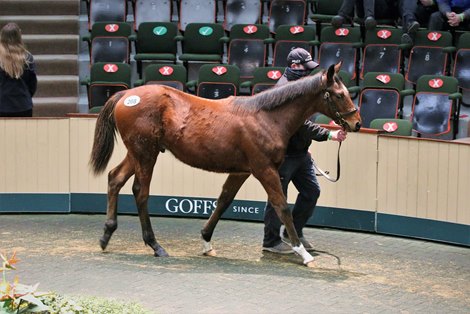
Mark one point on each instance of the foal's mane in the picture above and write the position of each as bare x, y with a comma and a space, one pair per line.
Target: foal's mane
278, 96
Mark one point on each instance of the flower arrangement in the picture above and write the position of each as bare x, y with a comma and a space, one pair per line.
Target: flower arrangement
16, 297
21, 299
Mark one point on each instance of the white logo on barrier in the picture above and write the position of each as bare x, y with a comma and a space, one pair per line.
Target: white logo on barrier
245, 210
132, 100
187, 206
204, 207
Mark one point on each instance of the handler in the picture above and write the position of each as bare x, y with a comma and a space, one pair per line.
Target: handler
297, 166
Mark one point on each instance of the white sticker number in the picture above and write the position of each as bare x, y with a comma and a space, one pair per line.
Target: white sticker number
132, 101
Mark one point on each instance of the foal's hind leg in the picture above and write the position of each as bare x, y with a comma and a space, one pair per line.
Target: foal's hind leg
141, 189
229, 190
117, 177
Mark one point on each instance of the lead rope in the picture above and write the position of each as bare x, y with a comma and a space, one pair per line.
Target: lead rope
325, 173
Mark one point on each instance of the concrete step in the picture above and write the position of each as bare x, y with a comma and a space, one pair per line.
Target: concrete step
54, 106
44, 24
57, 86
56, 64
51, 44
40, 7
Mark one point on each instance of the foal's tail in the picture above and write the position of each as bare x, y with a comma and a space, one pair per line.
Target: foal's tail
105, 135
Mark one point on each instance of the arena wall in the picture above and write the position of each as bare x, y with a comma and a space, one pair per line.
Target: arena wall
391, 185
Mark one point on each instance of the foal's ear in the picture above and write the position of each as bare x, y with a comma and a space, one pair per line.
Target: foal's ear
338, 66
330, 74
332, 70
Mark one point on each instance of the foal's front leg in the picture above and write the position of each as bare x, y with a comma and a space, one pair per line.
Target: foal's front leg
271, 182
231, 187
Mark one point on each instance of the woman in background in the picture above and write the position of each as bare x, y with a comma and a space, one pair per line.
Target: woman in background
18, 80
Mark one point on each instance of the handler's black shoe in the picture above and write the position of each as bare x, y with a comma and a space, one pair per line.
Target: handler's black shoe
281, 248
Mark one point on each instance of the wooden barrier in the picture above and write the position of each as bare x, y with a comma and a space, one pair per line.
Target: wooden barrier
393, 185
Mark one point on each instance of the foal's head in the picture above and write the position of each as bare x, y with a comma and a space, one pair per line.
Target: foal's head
337, 102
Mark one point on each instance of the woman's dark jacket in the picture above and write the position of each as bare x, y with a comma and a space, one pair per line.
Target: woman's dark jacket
16, 94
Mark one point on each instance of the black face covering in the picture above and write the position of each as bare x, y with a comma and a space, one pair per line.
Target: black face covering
294, 74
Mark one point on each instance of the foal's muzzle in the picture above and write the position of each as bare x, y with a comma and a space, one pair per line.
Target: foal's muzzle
358, 127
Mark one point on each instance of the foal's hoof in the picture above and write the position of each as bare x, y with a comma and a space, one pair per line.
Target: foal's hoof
310, 264
104, 243
160, 252
211, 252
207, 249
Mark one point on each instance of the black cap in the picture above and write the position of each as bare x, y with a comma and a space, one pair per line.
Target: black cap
301, 56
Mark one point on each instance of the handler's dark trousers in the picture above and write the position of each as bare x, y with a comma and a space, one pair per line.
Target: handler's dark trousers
299, 170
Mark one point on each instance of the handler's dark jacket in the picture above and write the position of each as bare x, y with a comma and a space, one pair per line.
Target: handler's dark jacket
301, 140
16, 94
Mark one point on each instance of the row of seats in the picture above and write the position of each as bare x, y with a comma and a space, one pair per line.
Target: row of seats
435, 109
279, 12
247, 48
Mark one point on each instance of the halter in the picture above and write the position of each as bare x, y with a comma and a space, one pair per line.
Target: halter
338, 116
339, 119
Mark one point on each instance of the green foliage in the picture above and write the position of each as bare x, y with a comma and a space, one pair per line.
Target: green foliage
59, 304
90, 305
16, 298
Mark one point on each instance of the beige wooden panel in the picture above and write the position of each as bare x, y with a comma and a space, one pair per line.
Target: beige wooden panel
253, 190
8, 147
443, 181
172, 177
388, 189
81, 136
434, 174
463, 184
80, 146
30, 163
452, 191
411, 177
82, 180
416, 178
356, 188
3, 155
